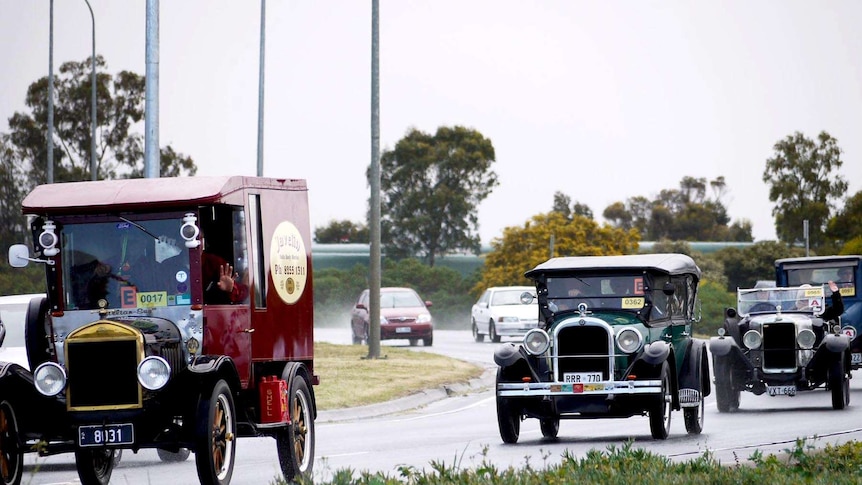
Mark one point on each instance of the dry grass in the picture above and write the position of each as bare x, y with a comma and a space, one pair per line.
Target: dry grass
347, 379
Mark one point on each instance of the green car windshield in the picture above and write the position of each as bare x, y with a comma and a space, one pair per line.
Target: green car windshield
618, 292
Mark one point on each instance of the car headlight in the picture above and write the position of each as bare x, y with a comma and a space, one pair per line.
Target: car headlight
383, 320
49, 379
752, 339
629, 340
806, 338
508, 320
536, 341
154, 372
423, 318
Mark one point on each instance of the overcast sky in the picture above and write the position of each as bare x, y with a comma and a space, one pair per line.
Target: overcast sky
602, 100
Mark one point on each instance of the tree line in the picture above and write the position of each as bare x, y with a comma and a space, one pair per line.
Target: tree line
431, 187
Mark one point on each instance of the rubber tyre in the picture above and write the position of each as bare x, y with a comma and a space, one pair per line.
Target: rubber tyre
95, 465
550, 427
11, 456
478, 337
492, 333
414, 342
660, 413
355, 338
35, 333
427, 342
171, 457
508, 419
295, 443
215, 452
726, 397
693, 417
839, 384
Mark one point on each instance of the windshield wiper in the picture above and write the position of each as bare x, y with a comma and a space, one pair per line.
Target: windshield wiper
139, 227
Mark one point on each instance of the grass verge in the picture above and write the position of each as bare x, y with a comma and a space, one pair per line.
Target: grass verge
348, 379
835, 464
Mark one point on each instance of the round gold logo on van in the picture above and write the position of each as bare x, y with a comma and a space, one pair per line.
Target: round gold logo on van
288, 262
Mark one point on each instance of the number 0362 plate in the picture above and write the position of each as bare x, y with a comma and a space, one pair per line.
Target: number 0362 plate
109, 434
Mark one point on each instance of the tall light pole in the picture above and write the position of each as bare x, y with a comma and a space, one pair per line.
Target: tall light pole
152, 156
374, 224
260, 89
93, 175
50, 138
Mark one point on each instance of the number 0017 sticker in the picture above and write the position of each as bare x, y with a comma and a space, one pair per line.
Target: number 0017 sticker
288, 262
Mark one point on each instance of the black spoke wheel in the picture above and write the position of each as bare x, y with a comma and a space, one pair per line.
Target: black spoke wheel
171, 457
550, 427
659, 414
295, 442
216, 435
95, 465
11, 457
726, 396
508, 418
839, 384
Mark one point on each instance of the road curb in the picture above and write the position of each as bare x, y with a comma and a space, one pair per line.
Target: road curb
413, 401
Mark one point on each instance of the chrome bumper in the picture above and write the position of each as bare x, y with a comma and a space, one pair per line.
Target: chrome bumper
528, 389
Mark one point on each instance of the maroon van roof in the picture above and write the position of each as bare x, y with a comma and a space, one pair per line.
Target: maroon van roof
87, 197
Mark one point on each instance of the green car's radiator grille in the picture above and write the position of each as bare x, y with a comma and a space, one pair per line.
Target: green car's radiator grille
583, 348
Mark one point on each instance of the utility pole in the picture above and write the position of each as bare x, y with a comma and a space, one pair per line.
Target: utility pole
50, 137
374, 226
152, 164
93, 174
260, 89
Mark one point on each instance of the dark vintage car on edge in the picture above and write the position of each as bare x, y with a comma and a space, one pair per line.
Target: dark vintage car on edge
614, 341
776, 342
846, 272
178, 316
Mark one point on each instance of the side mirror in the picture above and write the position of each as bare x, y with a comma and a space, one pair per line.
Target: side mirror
361, 306
19, 255
428, 303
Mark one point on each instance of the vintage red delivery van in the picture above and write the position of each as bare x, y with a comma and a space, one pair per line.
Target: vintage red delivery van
178, 316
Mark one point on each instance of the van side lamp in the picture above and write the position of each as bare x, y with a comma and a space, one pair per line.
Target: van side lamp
48, 239
190, 231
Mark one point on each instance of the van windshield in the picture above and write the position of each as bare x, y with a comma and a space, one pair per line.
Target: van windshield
129, 264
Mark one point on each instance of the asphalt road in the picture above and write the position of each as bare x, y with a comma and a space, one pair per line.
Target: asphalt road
461, 430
